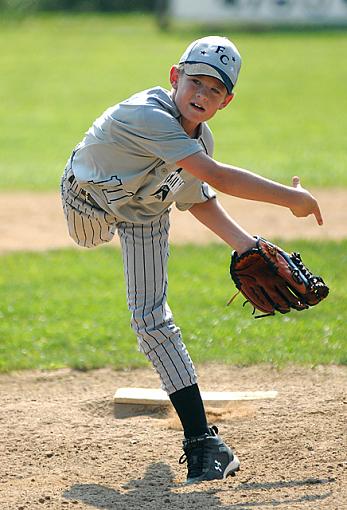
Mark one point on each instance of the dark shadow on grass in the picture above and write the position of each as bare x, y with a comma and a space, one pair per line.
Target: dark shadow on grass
155, 490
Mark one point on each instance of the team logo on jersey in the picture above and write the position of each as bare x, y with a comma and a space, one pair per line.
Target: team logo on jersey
173, 183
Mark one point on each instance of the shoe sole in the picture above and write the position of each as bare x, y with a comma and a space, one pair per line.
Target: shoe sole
232, 468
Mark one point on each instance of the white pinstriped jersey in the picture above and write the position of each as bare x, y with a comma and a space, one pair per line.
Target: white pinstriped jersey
127, 159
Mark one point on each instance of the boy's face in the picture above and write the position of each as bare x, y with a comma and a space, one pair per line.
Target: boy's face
199, 97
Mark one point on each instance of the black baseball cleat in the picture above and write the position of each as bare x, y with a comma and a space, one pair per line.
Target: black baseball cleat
208, 458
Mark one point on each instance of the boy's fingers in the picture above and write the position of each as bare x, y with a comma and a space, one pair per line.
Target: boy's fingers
318, 215
316, 211
296, 181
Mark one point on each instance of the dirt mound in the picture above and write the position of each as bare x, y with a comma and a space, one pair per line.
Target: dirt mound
65, 444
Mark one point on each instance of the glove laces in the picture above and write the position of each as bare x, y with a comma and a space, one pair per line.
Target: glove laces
312, 279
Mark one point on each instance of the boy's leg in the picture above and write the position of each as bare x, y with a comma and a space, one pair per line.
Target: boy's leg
145, 256
88, 224
190, 409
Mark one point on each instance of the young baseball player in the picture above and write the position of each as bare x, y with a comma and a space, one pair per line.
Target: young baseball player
136, 160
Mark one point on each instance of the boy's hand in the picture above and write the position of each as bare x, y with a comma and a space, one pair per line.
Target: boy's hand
306, 204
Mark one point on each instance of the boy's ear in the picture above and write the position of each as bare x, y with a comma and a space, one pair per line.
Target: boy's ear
174, 77
226, 101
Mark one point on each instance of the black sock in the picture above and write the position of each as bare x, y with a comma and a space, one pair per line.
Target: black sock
190, 409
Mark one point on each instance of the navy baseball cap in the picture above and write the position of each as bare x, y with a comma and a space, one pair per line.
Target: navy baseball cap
213, 56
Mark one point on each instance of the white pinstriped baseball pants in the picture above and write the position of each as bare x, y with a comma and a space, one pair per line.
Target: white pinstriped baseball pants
145, 255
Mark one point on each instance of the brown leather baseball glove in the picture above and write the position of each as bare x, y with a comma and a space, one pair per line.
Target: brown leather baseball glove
272, 280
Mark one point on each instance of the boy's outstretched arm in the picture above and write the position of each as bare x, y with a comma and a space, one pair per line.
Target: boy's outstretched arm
245, 184
213, 216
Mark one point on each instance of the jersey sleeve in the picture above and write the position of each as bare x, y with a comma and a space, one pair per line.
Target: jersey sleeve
197, 193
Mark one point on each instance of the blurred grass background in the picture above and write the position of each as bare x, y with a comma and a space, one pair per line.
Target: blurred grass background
59, 72
67, 308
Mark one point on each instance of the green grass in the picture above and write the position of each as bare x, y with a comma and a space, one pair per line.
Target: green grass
59, 72
67, 308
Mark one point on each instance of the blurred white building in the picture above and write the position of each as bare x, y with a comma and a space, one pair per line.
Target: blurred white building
261, 12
